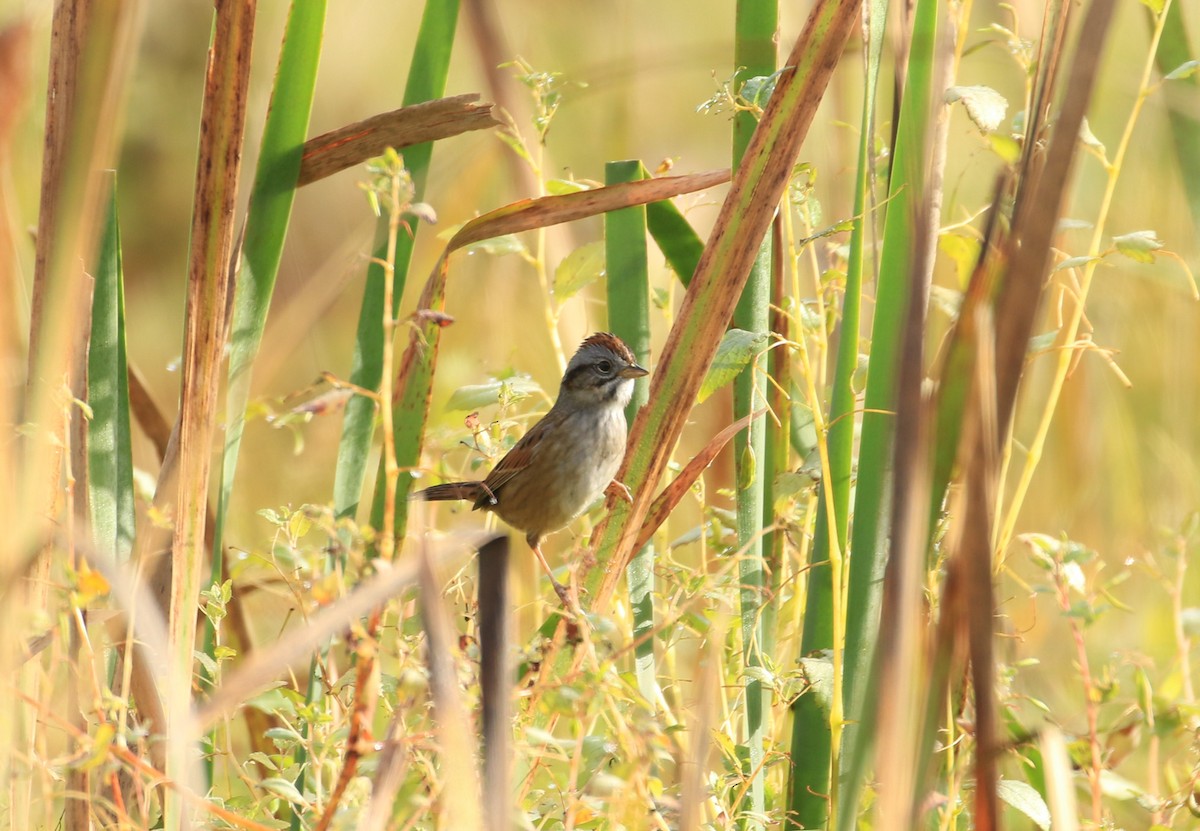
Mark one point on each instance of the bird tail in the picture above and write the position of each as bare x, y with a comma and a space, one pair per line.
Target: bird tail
451, 491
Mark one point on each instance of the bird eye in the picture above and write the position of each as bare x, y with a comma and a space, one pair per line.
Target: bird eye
604, 367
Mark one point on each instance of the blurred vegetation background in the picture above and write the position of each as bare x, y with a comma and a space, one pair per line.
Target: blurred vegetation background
1120, 470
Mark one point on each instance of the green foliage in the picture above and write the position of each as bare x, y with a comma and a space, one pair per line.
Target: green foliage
730, 686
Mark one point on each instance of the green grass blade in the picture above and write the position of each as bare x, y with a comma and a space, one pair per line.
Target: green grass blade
704, 316
627, 267
675, 237
266, 227
426, 80
872, 504
811, 735
428, 69
754, 55
628, 273
110, 456
91, 58
267, 219
1174, 51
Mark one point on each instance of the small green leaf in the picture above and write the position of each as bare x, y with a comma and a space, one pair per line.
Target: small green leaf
757, 90
210, 666
1075, 262
985, 107
579, 269
964, 252
1138, 246
1118, 787
1089, 138
1155, 6
558, 187
1042, 342
1190, 618
1025, 798
299, 524
262, 759
538, 737
947, 300
747, 469
283, 737
515, 144
804, 430
738, 347
498, 246
843, 227
818, 671
1074, 552
789, 484
274, 701
474, 396
284, 788
1006, 147
1185, 70
1069, 224
760, 674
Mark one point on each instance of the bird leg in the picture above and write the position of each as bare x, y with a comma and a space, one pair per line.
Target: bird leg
619, 490
559, 588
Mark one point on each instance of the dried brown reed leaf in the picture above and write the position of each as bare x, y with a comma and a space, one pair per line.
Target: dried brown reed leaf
721, 274
14, 90
222, 129
1036, 217
980, 464
671, 495
91, 54
353, 144
529, 214
903, 643
997, 343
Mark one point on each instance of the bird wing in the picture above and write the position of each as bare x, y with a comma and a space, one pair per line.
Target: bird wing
517, 459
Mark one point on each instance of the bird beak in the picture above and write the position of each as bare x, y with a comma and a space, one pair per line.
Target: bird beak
633, 371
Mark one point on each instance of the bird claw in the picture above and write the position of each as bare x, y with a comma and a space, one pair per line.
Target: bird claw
619, 490
562, 593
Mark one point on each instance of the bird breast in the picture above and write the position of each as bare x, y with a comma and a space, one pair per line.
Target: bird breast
572, 466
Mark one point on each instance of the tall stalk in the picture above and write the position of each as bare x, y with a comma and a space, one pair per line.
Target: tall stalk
754, 56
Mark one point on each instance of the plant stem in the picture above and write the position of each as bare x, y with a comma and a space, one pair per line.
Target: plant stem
387, 540
1066, 343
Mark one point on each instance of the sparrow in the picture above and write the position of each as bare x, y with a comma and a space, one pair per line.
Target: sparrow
568, 458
